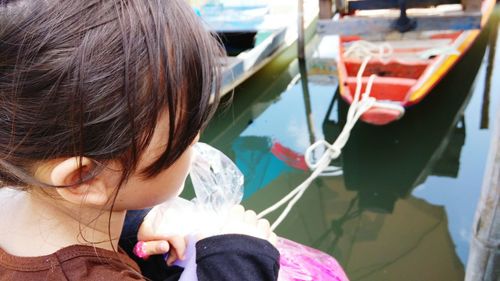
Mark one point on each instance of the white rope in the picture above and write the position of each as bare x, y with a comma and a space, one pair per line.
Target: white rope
362, 49
384, 51
359, 105
439, 51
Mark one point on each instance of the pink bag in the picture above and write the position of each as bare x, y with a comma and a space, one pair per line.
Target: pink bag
301, 263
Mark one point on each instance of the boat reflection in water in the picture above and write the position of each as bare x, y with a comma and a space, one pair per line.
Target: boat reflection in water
386, 233
368, 218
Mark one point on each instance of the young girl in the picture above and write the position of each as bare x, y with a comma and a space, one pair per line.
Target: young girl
100, 102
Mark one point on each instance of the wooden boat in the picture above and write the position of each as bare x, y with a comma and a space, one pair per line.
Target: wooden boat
253, 33
407, 65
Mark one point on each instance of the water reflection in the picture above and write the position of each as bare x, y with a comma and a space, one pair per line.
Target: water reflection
492, 42
307, 100
369, 219
388, 162
394, 233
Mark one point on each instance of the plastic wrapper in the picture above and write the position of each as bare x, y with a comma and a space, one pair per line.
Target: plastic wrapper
218, 186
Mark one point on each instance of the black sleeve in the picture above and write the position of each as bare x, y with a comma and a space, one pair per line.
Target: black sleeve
236, 257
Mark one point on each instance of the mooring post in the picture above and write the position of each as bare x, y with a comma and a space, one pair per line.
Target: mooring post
484, 255
325, 9
471, 5
301, 40
404, 23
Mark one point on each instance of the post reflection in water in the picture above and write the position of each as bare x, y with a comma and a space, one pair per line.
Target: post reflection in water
307, 100
368, 218
492, 42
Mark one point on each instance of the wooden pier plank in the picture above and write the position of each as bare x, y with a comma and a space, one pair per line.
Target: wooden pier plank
344, 6
388, 4
237, 69
365, 25
325, 9
484, 256
471, 5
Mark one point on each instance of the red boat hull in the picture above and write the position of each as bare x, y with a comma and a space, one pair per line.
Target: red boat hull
412, 69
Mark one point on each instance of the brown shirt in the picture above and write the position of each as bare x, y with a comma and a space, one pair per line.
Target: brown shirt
75, 263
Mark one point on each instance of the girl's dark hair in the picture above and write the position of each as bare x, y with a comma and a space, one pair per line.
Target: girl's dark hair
91, 78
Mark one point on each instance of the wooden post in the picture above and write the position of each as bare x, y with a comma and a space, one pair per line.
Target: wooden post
484, 255
341, 6
370, 25
325, 9
301, 40
471, 5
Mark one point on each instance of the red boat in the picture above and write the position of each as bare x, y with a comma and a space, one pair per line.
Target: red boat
407, 65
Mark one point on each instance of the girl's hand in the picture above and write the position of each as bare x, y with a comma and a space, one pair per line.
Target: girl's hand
246, 222
238, 221
154, 244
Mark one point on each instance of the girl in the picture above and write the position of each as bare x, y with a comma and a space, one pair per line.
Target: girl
100, 102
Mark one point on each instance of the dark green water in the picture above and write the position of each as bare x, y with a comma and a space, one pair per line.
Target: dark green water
404, 206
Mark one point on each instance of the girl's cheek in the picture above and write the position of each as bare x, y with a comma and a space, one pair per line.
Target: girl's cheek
181, 188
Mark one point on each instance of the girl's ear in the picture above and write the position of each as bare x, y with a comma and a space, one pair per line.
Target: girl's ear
68, 172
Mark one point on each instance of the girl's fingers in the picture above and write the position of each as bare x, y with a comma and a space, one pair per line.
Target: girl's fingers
178, 244
236, 212
172, 257
147, 232
273, 238
250, 217
145, 249
178, 249
175, 245
264, 226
